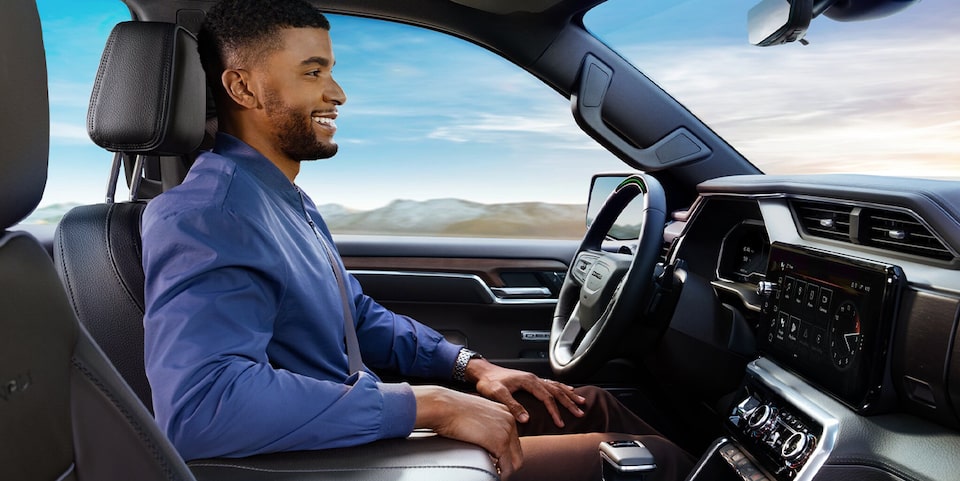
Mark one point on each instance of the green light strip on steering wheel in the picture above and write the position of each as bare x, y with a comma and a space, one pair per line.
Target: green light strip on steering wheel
635, 181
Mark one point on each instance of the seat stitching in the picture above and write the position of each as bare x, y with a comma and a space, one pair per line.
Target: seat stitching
337, 470
147, 439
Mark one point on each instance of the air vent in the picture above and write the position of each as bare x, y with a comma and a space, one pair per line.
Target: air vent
900, 232
821, 219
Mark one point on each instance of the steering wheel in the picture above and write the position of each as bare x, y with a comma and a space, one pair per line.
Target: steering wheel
605, 292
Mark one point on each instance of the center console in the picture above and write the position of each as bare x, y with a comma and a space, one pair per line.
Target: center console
829, 319
825, 334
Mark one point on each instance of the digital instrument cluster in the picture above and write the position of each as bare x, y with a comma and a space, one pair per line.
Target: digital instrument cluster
829, 318
744, 253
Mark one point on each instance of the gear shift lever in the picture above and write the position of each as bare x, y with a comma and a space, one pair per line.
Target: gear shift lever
626, 461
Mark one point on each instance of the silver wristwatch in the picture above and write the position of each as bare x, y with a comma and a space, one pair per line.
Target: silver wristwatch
460, 366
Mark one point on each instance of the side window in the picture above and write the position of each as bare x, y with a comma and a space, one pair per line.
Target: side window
441, 137
74, 34
438, 136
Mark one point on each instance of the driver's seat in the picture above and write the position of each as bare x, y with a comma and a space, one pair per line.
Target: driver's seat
98, 252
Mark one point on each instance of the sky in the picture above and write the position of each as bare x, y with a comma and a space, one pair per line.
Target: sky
429, 116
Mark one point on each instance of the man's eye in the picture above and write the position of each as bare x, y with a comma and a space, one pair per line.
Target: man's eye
314, 73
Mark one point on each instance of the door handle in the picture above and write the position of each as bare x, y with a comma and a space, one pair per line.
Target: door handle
521, 292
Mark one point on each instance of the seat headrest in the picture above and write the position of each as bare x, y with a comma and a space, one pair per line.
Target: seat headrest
24, 114
149, 96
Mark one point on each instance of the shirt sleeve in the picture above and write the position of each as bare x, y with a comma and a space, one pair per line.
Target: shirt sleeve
212, 296
397, 342
392, 341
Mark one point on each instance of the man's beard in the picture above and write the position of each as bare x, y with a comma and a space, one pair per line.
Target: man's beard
294, 132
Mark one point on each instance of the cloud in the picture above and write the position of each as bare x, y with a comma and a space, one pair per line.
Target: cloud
72, 95
547, 129
867, 104
66, 132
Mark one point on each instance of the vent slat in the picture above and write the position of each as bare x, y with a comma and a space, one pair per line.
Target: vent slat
890, 230
901, 232
824, 220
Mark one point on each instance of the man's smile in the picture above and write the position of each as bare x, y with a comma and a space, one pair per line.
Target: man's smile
327, 121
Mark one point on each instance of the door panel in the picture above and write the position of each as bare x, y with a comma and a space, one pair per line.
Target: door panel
495, 296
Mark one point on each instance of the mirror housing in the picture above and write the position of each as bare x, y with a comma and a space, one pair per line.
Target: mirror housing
855, 10
628, 225
775, 22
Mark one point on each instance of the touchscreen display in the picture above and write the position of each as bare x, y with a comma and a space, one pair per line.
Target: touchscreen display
829, 319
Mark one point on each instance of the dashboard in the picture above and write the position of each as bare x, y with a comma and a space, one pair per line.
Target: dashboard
847, 288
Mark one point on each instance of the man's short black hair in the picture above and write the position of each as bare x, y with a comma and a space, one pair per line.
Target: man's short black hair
236, 33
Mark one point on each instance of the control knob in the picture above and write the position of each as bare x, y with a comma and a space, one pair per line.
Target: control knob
762, 420
797, 448
766, 288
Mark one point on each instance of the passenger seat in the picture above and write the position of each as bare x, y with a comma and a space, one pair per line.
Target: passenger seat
65, 413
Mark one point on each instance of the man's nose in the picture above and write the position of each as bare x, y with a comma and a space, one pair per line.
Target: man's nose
334, 94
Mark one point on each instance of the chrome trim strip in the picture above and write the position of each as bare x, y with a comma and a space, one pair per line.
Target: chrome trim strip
789, 386
521, 292
68, 473
534, 336
488, 294
702, 463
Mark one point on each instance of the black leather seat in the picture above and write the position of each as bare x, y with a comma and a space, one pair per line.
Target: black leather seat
65, 413
149, 101
144, 105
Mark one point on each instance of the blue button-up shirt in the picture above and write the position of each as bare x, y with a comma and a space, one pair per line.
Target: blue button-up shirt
244, 329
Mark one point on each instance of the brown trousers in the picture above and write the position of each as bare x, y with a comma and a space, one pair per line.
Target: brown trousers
571, 453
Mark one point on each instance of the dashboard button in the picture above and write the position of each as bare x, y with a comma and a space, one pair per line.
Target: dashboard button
799, 289
826, 297
819, 337
788, 286
794, 332
813, 292
804, 337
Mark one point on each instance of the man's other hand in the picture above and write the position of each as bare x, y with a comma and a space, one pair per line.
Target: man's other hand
471, 419
499, 383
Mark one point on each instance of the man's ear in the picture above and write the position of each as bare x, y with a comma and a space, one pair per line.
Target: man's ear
236, 83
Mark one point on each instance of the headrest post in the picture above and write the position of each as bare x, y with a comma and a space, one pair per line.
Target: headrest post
136, 178
114, 177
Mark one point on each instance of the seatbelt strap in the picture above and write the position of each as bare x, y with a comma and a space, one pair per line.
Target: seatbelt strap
354, 360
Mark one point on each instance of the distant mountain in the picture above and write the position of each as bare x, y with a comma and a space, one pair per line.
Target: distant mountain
50, 214
447, 217
464, 218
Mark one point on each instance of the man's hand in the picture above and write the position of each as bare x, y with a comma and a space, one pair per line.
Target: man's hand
471, 419
499, 384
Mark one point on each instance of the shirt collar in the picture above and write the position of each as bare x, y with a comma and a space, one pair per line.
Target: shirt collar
260, 167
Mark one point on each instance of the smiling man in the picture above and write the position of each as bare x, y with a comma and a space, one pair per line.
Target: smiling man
251, 317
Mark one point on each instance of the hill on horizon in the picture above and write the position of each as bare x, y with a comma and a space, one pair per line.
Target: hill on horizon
441, 217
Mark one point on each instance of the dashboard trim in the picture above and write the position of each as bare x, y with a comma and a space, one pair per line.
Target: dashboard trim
792, 388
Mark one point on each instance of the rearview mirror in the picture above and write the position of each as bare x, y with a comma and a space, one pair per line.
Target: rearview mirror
630, 222
775, 22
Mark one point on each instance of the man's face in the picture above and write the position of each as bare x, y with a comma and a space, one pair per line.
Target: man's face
300, 96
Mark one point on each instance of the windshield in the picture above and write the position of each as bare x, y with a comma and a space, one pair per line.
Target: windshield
872, 97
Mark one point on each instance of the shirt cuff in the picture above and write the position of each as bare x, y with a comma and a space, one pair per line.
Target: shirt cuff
446, 355
399, 410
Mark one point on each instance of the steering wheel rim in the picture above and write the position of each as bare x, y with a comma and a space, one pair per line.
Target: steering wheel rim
605, 292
